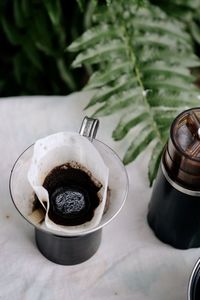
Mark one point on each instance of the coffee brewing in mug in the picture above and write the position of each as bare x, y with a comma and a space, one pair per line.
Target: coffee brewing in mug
74, 201
174, 208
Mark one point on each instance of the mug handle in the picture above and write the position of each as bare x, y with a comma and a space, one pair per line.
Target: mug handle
89, 128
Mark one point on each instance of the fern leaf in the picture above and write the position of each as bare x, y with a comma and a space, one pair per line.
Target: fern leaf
172, 84
92, 36
100, 78
168, 111
173, 99
11, 32
152, 54
118, 102
164, 133
195, 30
162, 68
106, 92
154, 162
54, 11
128, 121
66, 75
81, 4
162, 27
161, 41
142, 60
163, 120
40, 34
139, 144
98, 54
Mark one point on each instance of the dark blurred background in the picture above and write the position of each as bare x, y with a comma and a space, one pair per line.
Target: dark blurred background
33, 38
34, 35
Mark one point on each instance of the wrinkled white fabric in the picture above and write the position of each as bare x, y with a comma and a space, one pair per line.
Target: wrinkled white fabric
131, 262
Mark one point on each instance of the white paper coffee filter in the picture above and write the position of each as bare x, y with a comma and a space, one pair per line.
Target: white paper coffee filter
58, 149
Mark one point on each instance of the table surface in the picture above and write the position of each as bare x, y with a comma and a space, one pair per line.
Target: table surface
131, 262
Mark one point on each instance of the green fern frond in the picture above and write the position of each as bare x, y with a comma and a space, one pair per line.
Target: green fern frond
128, 121
142, 59
185, 10
162, 68
176, 99
141, 141
118, 102
94, 35
99, 53
163, 27
101, 78
195, 31
107, 92
154, 161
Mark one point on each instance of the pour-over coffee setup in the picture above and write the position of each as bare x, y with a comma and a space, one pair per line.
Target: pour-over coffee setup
69, 186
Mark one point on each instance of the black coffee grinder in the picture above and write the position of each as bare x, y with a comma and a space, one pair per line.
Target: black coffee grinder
174, 208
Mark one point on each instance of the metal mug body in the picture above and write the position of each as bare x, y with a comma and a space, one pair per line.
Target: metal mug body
194, 283
173, 213
174, 207
68, 250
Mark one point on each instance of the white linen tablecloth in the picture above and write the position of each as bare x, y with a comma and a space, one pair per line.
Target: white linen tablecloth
131, 263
